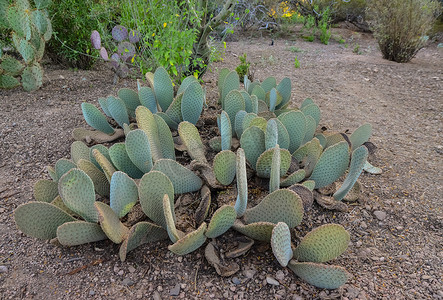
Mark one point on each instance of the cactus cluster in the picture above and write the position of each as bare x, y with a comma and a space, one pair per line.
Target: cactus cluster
126, 41
158, 98
30, 29
94, 195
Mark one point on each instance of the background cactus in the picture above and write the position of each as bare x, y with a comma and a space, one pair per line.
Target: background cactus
30, 28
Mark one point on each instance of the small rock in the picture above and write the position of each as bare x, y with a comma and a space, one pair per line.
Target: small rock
121, 272
175, 291
249, 273
3, 269
156, 296
363, 225
280, 275
116, 269
426, 277
381, 215
359, 243
91, 293
271, 281
131, 269
127, 281
236, 281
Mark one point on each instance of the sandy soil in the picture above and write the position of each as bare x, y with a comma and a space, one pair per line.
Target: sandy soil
396, 257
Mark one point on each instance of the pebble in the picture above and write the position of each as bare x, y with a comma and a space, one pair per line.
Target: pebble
121, 272
91, 293
156, 296
359, 243
271, 281
175, 291
249, 273
3, 269
363, 225
127, 281
381, 215
236, 281
131, 269
280, 275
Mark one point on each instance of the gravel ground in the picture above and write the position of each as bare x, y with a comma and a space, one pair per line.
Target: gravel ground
396, 226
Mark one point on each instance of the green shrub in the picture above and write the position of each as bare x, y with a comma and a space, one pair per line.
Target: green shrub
400, 26
243, 68
73, 21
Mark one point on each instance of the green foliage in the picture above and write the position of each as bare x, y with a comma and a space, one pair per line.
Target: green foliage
243, 68
296, 63
400, 27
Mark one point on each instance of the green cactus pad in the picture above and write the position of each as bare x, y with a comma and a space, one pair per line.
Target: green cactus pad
233, 103
305, 194
146, 121
221, 78
168, 211
19, 21
295, 177
283, 134
268, 84
271, 134
253, 142
259, 92
123, 193
81, 134
267, 115
310, 184
281, 243
308, 155
230, 83
122, 162
40, 21
8, 82
40, 219
321, 137
32, 77
320, 275
191, 138
101, 183
3, 16
77, 191
264, 163
147, 98
51, 173
130, 98
322, 244
273, 99
139, 234
248, 101
79, 150
59, 203
238, 123
118, 110
221, 221
371, 169
174, 110
41, 4
261, 231
242, 183
247, 119
360, 136
152, 188
225, 131
190, 242
110, 223
11, 66
183, 179
259, 122
79, 232
224, 166
186, 83
215, 143
332, 164
62, 166
95, 118
171, 123
103, 150
280, 206
306, 102
312, 110
45, 190
165, 138
163, 88
192, 102
332, 139
284, 89
358, 161
310, 128
274, 181
295, 123
254, 104
139, 150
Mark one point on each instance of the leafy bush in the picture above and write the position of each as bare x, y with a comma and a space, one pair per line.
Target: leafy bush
400, 26
243, 68
73, 21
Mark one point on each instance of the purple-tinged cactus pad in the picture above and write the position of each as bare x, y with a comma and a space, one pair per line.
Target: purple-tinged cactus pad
119, 33
134, 36
126, 50
104, 53
96, 40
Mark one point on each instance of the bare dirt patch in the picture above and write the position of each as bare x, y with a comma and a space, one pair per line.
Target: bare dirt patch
396, 257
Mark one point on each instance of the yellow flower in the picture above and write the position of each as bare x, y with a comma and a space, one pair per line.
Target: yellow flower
164, 24
153, 34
